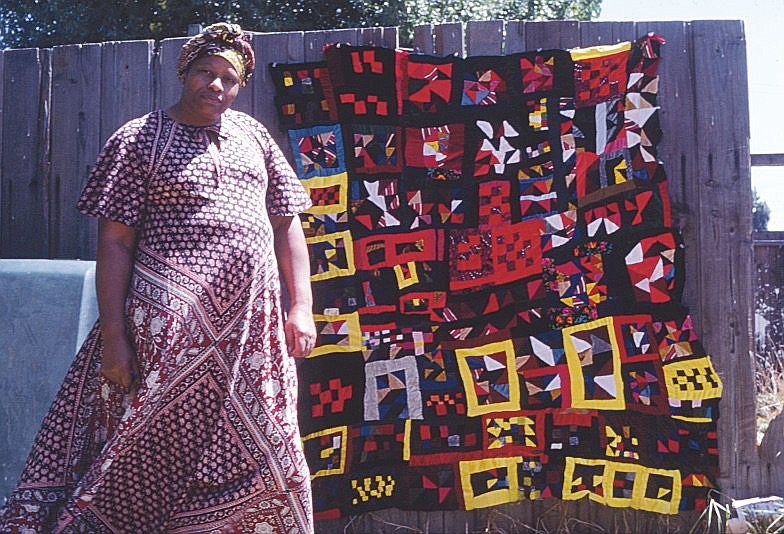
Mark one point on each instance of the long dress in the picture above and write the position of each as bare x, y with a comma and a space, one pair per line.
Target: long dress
209, 441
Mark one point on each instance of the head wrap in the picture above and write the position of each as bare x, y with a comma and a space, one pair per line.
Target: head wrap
223, 40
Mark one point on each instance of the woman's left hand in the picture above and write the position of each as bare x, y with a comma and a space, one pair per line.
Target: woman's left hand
300, 332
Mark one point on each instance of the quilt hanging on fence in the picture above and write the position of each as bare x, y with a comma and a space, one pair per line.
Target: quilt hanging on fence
497, 284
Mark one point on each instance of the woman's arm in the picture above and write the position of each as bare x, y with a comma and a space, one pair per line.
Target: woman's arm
116, 248
292, 254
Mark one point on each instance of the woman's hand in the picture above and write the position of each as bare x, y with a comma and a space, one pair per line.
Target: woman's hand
118, 363
292, 254
300, 332
116, 248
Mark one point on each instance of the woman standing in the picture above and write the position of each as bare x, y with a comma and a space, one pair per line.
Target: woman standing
178, 414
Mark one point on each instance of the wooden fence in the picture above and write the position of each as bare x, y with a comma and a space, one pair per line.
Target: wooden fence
59, 105
769, 294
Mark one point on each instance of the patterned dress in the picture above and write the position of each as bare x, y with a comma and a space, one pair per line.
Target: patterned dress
209, 441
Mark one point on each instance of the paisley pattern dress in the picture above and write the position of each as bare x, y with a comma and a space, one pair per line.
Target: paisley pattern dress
209, 441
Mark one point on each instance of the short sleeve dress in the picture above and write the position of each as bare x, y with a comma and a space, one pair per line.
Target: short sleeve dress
209, 442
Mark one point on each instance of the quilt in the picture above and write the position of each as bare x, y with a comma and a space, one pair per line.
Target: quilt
497, 283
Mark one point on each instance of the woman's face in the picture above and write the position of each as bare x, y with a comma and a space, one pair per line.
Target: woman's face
210, 86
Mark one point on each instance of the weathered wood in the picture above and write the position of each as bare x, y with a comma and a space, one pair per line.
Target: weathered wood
44, 152
371, 36
424, 41
514, 39
767, 160
315, 41
23, 228
768, 236
168, 86
75, 131
273, 48
769, 263
2, 85
596, 34
484, 38
449, 39
723, 176
381, 36
552, 34
390, 37
126, 83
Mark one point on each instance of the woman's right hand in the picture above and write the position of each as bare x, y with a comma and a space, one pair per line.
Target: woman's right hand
116, 248
118, 363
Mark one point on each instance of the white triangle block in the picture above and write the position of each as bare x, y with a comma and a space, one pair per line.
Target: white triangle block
486, 128
644, 284
580, 345
593, 226
607, 383
638, 337
658, 272
491, 364
639, 115
542, 351
635, 255
554, 384
610, 226
509, 131
634, 77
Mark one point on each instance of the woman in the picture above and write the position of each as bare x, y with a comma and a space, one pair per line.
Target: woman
178, 414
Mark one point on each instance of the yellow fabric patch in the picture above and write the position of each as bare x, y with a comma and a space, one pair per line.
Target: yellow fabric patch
333, 190
406, 277
692, 379
644, 488
580, 342
337, 239
491, 356
497, 479
598, 51
336, 446
343, 327
375, 487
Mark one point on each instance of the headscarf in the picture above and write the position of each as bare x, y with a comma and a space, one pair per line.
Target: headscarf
223, 40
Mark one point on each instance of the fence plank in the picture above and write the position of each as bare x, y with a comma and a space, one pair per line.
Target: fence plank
44, 149
2, 85
379, 36
274, 48
514, 39
23, 227
552, 34
315, 41
760, 160
126, 83
169, 87
484, 38
625, 31
390, 37
424, 41
76, 124
371, 36
449, 39
596, 33
723, 176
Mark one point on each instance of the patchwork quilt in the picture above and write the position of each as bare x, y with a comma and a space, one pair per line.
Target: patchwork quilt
497, 283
